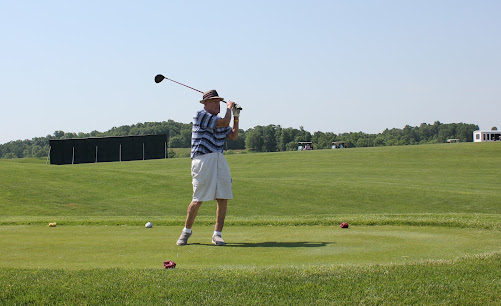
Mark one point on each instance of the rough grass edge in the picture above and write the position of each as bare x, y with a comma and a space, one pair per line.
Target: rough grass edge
474, 221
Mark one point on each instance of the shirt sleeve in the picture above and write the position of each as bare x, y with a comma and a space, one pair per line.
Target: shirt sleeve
205, 120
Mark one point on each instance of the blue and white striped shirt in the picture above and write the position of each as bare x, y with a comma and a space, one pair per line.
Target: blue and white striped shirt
205, 136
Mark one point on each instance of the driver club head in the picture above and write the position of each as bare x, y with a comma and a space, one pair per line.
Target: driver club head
159, 78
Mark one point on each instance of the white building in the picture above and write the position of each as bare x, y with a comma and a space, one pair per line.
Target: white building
483, 136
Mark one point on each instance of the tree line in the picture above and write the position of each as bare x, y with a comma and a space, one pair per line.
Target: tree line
270, 138
274, 138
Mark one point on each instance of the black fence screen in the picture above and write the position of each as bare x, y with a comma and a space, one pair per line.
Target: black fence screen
107, 149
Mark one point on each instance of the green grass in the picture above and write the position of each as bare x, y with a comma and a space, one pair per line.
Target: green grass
425, 228
86, 247
452, 178
181, 152
468, 281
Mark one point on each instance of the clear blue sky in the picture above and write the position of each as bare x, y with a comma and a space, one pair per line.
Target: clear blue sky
331, 66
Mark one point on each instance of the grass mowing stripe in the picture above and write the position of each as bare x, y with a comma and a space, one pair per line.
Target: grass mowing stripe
468, 281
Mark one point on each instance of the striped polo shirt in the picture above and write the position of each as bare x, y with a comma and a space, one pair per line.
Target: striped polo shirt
205, 136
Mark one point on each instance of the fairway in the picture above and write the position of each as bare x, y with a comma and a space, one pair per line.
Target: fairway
426, 216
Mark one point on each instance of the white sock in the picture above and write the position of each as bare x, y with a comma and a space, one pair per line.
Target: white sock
187, 230
216, 233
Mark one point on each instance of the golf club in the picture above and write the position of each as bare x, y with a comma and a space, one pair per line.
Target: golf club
159, 78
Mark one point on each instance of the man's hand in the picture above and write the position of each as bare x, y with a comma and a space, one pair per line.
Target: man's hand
235, 110
230, 104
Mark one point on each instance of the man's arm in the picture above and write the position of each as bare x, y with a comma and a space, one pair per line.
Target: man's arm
225, 121
234, 131
233, 135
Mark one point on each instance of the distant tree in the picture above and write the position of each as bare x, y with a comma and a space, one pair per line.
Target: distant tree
186, 138
464, 132
269, 140
285, 136
38, 151
176, 142
238, 144
17, 148
291, 146
379, 141
254, 139
58, 134
323, 140
96, 134
171, 154
494, 128
303, 135
10, 155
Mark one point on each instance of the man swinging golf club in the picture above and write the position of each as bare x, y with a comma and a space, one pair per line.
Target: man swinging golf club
209, 170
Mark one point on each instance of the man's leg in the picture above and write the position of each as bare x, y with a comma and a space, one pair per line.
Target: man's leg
222, 205
190, 219
192, 213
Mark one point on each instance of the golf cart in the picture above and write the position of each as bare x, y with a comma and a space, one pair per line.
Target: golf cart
338, 145
305, 145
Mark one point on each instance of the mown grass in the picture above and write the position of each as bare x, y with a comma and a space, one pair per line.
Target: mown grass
427, 179
85, 247
468, 281
438, 198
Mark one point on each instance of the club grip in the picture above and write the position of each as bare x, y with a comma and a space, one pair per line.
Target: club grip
236, 105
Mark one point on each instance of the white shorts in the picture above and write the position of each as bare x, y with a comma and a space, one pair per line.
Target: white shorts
211, 177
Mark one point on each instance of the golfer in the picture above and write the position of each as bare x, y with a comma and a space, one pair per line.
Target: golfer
210, 173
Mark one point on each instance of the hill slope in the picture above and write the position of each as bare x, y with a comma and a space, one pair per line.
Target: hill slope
289, 187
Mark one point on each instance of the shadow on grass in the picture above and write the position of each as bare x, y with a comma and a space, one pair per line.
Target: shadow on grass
274, 244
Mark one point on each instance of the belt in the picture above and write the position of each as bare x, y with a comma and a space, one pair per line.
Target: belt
196, 154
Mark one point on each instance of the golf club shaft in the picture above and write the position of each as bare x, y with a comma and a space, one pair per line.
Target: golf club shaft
160, 77
184, 85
